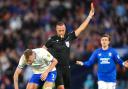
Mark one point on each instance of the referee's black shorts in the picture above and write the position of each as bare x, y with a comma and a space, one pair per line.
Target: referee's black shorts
63, 76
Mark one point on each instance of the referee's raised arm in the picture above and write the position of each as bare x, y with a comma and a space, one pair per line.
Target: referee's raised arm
86, 21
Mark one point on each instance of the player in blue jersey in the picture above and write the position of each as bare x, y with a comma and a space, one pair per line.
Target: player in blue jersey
106, 57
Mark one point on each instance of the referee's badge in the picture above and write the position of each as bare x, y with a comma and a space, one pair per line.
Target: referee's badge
67, 43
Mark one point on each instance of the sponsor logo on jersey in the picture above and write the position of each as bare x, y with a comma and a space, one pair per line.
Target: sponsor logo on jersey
104, 60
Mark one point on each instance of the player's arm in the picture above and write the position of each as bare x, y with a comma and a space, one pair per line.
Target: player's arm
21, 65
119, 60
49, 58
86, 22
15, 77
52, 65
89, 62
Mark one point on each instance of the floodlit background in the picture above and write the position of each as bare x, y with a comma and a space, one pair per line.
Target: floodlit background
29, 23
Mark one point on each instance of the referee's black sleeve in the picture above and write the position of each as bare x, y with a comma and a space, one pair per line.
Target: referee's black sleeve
71, 36
49, 43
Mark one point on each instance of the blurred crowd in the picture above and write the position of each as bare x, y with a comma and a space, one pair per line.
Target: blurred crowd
29, 23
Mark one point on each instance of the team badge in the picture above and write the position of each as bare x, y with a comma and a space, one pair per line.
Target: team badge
99, 54
110, 54
57, 40
48, 55
67, 43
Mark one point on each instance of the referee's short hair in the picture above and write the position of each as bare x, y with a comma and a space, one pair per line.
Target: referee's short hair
60, 23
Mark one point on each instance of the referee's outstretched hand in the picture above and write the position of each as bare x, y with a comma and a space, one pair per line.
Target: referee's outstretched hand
92, 11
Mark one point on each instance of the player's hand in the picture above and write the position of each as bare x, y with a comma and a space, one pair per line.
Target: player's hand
92, 11
79, 63
44, 76
126, 64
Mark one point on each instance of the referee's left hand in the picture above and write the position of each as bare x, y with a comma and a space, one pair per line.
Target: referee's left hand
44, 76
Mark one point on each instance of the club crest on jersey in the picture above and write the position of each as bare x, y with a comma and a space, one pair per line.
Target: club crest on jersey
48, 55
110, 54
67, 43
57, 40
99, 54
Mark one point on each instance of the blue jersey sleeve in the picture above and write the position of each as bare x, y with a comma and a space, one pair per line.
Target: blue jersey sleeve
117, 58
91, 60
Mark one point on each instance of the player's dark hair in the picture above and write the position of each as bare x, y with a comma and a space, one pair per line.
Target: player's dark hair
106, 35
27, 53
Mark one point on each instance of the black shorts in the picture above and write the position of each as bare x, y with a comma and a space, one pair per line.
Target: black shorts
63, 76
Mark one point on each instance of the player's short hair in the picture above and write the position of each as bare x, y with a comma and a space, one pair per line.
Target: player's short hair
106, 35
60, 23
27, 53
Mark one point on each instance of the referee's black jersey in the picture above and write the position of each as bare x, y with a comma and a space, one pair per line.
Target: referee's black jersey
60, 48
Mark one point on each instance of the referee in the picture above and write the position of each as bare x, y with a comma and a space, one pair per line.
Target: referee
59, 46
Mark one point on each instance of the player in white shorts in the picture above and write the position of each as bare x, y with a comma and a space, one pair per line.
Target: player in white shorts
106, 57
43, 66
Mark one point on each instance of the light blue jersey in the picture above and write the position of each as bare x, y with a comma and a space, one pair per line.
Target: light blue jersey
106, 63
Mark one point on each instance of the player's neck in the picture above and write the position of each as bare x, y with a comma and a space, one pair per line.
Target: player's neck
105, 47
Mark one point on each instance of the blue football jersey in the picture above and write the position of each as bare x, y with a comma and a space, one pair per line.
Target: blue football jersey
107, 60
